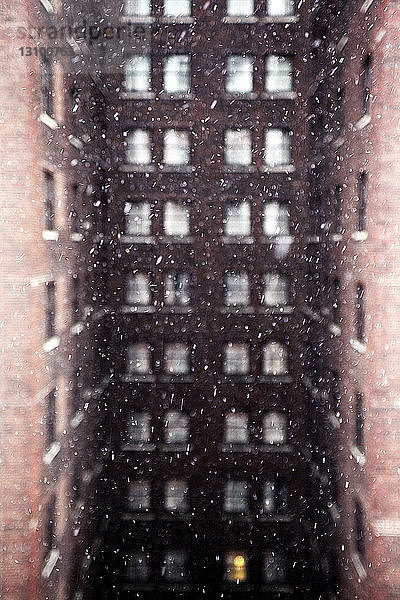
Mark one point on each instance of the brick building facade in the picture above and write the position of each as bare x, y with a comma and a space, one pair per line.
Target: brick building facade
199, 265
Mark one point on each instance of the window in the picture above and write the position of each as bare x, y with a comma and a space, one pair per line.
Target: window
275, 428
335, 393
47, 87
236, 430
366, 84
238, 147
176, 147
50, 422
138, 74
75, 297
239, 74
177, 289
240, 8
362, 202
139, 495
360, 421
274, 567
277, 148
177, 359
139, 359
50, 310
138, 218
176, 219
276, 219
236, 566
280, 8
176, 426
49, 205
237, 292
337, 210
176, 492
138, 429
275, 359
359, 529
336, 301
236, 359
50, 524
137, 8
360, 313
138, 289
174, 567
275, 497
237, 221
236, 496
74, 214
177, 8
137, 567
276, 289
138, 151
177, 74
278, 73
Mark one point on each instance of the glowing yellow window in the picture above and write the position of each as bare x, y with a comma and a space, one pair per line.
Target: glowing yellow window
236, 567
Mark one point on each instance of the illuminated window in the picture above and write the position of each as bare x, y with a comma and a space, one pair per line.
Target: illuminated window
274, 567
236, 429
237, 291
277, 151
274, 428
236, 359
177, 74
280, 8
238, 151
176, 495
236, 498
138, 147
137, 567
49, 202
176, 219
276, 289
177, 288
139, 359
177, 358
139, 495
176, 147
137, 8
278, 74
177, 8
275, 497
276, 219
275, 359
240, 8
237, 221
138, 429
138, 73
236, 567
138, 218
138, 289
239, 74
175, 566
176, 426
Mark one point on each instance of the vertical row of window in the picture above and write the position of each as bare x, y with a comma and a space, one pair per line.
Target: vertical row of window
236, 359
183, 8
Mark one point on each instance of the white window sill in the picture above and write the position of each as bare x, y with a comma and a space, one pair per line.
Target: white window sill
137, 19
76, 237
140, 447
241, 95
51, 343
177, 19
48, 121
359, 236
128, 168
177, 309
128, 309
132, 95
313, 239
359, 566
176, 447
50, 235
279, 169
177, 168
363, 122
280, 19
137, 239
286, 309
77, 328
360, 347
333, 420
358, 455
51, 561
239, 168
238, 309
231, 239
335, 329
165, 95
137, 377
77, 419
239, 19
51, 453
287, 95
75, 142
336, 237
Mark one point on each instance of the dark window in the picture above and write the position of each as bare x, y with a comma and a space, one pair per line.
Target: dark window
337, 210
75, 298
50, 417
49, 211
50, 524
335, 392
336, 301
366, 84
74, 215
340, 96
360, 313
359, 421
50, 309
175, 566
362, 202
359, 529
47, 87
137, 567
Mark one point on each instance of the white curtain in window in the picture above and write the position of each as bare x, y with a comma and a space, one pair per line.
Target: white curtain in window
236, 431
236, 359
137, 218
274, 428
177, 8
277, 148
275, 289
138, 151
278, 73
137, 74
276, 219
176, 147
137, 567
237, 289
139, 359
238, 147
239, 74
269, 502
280, 8
139, 427
238, 219
174, 567
136, 8
240, 8
236, 496
176, 358
274, 567
177, 74
138, 289
176, 219
275, 359
177, 289
176, 495
139, 495
176, 427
